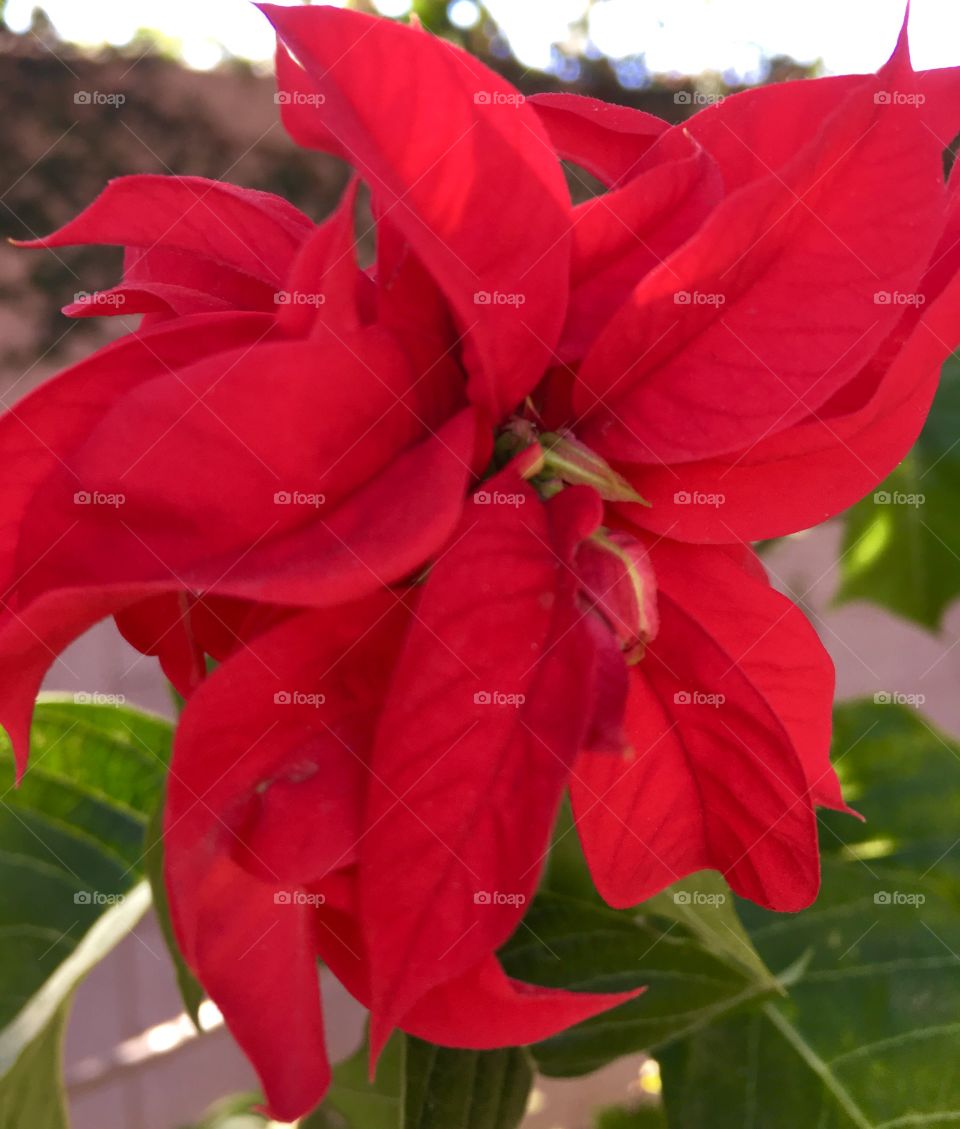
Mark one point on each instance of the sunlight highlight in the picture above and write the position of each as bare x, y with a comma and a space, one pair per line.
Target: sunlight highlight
681, 37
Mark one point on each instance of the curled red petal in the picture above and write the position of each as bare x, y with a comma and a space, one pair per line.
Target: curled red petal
430, 165
607, 140
256, 959
488, 705
802, 476
620, 236
729, 717
771, 307
503, 1012
265, 796
254, 232
482, 1008
324, 280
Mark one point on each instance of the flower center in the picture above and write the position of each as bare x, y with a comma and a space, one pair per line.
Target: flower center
617, 581
558, 459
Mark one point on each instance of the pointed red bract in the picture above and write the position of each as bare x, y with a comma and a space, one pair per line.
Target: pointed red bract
829, 460
772, 306
324, 281
432, 165
193, 245
487, 709
729, 722
276, 740
620, 236
482, 1008
174, 448
506, 1012
608, 141
256, 959
264, 821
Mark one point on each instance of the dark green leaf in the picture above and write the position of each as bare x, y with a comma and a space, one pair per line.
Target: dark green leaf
565, 943
566, 870
451, 1089
354, 1102
869, 1035
902, 543
647, 1116
71, 863
903, 775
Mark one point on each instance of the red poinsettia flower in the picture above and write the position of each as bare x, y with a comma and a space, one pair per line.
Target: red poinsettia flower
467, 529
310, 810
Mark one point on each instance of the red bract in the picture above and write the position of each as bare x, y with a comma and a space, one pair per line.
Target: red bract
192, 246
269, 836
729, 722
784, 356
467, 530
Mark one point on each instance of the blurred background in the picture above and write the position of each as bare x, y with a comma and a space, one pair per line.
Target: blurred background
92, 89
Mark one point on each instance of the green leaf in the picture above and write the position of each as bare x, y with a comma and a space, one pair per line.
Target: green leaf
31, 1093
42, 1007
566, 871
903, 775
704, 903
355, 1102
869, 1035
191, 992
647, 1116
232, 1112
567, 943
71, 864
451, 1089
902, 543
